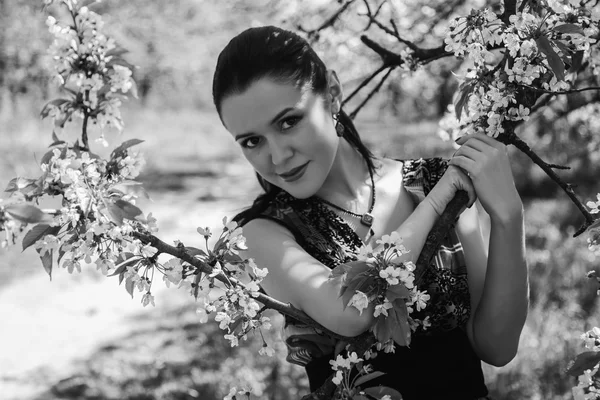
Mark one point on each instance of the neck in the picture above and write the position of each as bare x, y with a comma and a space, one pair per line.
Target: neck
347, 177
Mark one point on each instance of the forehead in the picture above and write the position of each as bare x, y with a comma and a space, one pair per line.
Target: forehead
256, 106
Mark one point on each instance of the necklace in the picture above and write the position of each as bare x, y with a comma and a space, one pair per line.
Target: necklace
367, 218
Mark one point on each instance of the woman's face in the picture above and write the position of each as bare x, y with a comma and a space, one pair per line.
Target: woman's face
286, 133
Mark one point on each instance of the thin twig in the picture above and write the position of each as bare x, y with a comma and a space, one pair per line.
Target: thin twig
84, 134
329, 22
364, 83
538, 90
392, 32
352, 115
270, 302
510, 8
567, 187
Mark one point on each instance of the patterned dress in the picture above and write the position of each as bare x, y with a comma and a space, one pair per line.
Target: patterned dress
440, 362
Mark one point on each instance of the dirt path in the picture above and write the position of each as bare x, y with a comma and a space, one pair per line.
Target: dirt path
48, 326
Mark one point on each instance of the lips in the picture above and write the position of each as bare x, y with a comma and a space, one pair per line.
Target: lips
295, 173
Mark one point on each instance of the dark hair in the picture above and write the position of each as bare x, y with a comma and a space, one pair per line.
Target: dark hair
286, 58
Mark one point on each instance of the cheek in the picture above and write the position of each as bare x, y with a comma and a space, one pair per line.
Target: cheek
260, 163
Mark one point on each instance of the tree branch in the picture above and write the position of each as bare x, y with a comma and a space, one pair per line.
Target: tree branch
329, 22
510, 8
567, 187
352, 115
364, 83
284, 308
538, 90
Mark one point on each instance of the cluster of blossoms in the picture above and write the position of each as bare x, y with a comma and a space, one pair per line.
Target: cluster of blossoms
587, 382
540, 49
96, 217
88, 63
377, 277
594, 234
98, 222
349, 383
236, 309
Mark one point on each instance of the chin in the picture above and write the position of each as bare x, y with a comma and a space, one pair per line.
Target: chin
302, 189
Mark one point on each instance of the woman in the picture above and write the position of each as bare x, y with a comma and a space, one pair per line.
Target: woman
326, 195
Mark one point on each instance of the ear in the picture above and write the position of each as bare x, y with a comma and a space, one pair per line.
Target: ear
334, 92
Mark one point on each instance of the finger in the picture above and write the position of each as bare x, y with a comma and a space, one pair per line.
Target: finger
466, 184
463, 162
483, 138
477, 144
471, 153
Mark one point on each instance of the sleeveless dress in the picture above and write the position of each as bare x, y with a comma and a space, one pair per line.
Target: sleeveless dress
440, 362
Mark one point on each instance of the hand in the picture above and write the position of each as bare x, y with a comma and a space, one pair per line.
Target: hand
486, 162
454, 179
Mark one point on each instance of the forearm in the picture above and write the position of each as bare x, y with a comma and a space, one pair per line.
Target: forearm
415, 229
502, 309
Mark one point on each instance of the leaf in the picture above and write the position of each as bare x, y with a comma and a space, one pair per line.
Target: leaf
358, 283
27, 213
339, 272
584, 361
124, 146
565, 52
577, 61
236, 323
398, 291
117, 51
18, 184
465, 93
120, 61
368, 377
569, 28
46, 158
121, 209
554, 60
232, 258
398, 315
122, 266
193, 251
380, 391
197, 280
134, 89
383, 329
356, 267
359, 397
129, 285
56, 103
38, 232
47, 261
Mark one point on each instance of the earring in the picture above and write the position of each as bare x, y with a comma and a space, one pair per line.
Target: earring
339, 127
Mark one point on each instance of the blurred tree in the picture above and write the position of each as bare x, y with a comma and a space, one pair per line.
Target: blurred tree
23, 44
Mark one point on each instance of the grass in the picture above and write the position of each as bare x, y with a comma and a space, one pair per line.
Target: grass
192, 166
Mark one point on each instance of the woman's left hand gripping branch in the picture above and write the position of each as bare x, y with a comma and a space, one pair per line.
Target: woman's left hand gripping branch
486, 161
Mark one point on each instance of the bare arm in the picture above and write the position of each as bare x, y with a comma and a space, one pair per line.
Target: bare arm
498, 285
298, 278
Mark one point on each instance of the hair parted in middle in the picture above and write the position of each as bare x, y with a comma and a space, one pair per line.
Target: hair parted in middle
285, 58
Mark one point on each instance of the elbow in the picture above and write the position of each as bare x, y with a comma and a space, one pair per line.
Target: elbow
352, 323
499, 354
500, 359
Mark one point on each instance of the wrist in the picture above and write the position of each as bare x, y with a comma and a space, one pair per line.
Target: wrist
508, 215
430, 204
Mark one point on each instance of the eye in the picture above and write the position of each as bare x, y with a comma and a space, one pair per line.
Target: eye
289, 122
250, 142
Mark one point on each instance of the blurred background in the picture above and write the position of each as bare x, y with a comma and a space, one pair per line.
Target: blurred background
82, 337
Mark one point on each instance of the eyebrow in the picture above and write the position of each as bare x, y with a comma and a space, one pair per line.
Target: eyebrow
273, 120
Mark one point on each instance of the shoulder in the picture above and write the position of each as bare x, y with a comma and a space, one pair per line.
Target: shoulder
266, 228
423, 172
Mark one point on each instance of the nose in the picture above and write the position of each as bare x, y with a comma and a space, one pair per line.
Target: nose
280, 151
